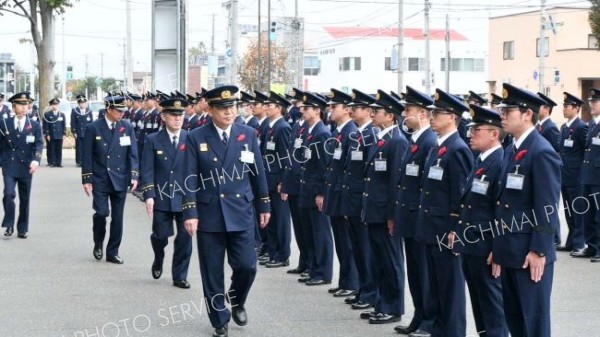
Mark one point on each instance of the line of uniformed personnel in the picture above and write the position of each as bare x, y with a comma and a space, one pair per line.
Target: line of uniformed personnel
388, 180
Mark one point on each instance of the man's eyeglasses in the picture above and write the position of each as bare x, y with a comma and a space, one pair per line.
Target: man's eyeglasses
474, 129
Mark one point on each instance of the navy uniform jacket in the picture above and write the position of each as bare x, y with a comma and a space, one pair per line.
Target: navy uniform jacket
192, 122
572, 153
162, 176
34, 114
549, 130
291, 177
19, 149
55, 125
108, 162
239, 119
79, 121
332, 205
353, 183
312, 179
409, 186
440, 199
379, 197
151, 122
101, 113
528, 218
276, 152
4, 110
218, 185
475, 232
263, 128
253, 122
590, 171
138, 123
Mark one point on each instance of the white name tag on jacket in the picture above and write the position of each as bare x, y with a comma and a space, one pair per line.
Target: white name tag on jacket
125, 141
596, 141
515, 181
60, 119
88, 119
337, 154
148, 125
34, 118
140, 124
155, 125
270, 145
412, 170
30, 139
480, 186
380, 165
356, 155
297, 143
247, 157
307, 154
568, 143
436, 173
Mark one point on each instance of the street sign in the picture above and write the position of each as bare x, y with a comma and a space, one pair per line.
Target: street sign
535, 75
69, 95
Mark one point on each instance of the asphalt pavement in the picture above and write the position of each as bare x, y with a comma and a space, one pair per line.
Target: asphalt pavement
51, 286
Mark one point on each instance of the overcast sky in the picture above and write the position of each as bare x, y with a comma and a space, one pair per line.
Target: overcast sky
95, 27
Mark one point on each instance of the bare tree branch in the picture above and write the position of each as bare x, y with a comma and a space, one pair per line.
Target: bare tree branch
25, 12
14, 12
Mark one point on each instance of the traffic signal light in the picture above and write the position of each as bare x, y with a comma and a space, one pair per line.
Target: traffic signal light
273, 26
556, 76
69, 72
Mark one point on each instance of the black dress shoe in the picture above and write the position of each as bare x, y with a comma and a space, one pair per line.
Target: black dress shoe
305, 273
360, 305
238, 314
419, 333
58, 166
264, 262
405, 330
274, 264
351, 300
303, 279
183, 284
368, 314
98, 252
345, 293
313, 282
563, 248
334, 290
157, 269
22, 235
381, 318
9, 231
296, 270
586, 252
114, 259
221, 332
595, 258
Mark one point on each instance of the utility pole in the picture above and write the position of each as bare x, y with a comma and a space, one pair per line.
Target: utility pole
541, 48
64, 63
212, 38
102, 65
129, 58
124, 63
269, 45
234, 43
86, 66
400, 65
427, 53
447, 58
259, 54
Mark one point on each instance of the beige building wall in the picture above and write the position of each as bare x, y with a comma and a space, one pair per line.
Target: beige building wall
569, 53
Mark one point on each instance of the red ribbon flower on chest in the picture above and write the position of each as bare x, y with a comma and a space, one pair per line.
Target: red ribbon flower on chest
182, 147
480, 171
414, 148
301, 130
380, 143
359, 139
310, 137
520, 155
339, 138
442, 151
122, 129
241, 137
28, 127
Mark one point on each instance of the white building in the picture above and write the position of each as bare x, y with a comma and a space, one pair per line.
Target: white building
359, 57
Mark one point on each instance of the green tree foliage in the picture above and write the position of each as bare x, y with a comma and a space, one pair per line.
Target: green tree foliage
594, 19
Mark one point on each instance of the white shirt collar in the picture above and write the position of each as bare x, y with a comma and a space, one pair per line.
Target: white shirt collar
301, 122
310, 128
271, 123
568, 123
260, 121
519, 141
341, 126
543, 120
247, 119
109, 123
173, 134
220, 131
16, 121
442, 139
490, 151
364, 126
415, 136
385, 131
597, 119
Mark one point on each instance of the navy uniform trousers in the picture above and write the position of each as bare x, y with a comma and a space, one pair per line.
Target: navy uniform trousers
101, 209
24, 186
162, 229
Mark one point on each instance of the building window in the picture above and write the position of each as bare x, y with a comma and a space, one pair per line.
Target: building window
508, 50
311, 66
546, 47
592, 41
463, 64
416, 64
350, 63
327, 51
388, 63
